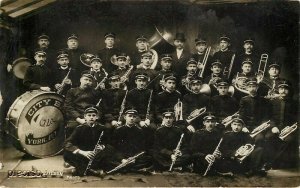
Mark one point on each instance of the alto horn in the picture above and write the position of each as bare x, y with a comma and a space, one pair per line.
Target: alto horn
86, 58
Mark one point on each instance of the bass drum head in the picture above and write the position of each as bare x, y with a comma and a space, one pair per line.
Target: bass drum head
41, 125
20, 67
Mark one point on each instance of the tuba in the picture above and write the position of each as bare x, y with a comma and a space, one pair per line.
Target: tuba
287, 131
178, 110
260, 128
86, 58
243, 152
20, 66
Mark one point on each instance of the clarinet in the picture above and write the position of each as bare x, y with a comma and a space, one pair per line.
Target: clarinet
148, 107
95, 151
122, 106
210, 164
103, 80
59, 91
176, 149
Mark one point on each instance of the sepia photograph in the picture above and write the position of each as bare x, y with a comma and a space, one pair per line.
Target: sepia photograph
149, 93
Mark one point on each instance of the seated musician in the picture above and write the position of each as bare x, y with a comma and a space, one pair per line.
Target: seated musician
282, 152
216, 74
98, 73
114, 100
203, 146
233, 161
254, 110
166, 139
123, 69
129, 141
166, 99
78, 99
223, 105
65, 77
141, 99
38, 76
82, 146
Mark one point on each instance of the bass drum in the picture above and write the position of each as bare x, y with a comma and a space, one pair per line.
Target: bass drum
35, 122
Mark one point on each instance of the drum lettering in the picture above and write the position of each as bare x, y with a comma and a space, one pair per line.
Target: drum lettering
46, 122
46, 101
30, 112
57, 104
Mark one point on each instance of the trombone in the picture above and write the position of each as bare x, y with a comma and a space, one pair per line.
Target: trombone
262, 65
201, 71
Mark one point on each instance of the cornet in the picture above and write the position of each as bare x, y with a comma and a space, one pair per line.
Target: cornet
226, 121
196, 113
178, 110
243, 152
260, 128
287, 131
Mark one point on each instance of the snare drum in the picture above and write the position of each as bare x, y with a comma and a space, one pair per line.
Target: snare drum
20, 66
35, 121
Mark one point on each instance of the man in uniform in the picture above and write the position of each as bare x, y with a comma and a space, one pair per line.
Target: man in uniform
38, 76
191, 67
142, 46
180, 56
99, 73
166, 139
123, 70
106, 53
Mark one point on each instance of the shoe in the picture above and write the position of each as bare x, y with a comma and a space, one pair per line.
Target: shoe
225, 174
266, 167
249, 173
67, 165
97, 173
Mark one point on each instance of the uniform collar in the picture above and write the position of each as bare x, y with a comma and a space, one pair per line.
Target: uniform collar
64, 68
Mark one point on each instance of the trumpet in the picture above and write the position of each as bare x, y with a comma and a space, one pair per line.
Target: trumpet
226, 121
178, 110
196, 113
103, 80
63, 83
260, 128
201, 71
287, 131
243, 152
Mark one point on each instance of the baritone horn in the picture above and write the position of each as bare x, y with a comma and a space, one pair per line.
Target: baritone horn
287, 131
243, 152
178, 110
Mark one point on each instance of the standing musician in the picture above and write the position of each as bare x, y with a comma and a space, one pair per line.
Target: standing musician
113, 99
195, 100
253, 110
216, 74
123, 70
268, 85
225, 55
65, 76
38, 76
141, 99
223, 105
129, 140
180, 56
232, 141
106, 53
166, 138
142, 47
98, 73
283, 113
203, 145
199, 56
168, 98
82, 147
78, 99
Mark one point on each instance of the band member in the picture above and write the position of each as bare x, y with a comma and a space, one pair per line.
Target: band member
282, 152
232, 141
141, 99
113, 99
82, 146
223, 105
216, 74
74, 53
106, 53
195, 100
142, 46
268, 85
168, 98
253, 109
225, 55
180, 56
98, 73
129, 140
123, 70
166, 139
65, 77
203, 146
191, 67
201, 48
38, 76
78, 99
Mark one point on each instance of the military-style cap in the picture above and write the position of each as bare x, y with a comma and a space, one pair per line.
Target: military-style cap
121, 55
96, 58
142, 38
191, 61
166, 57
195, 81
222, 82
274, 64
284, 83
249, 40
44, 36
247, 61
251, 81
216, 62
91, 110
147, 54
73, 36
114, 76
131, 111
110, 34
224, 37
209, 116
62, 54
87, 74
141, 76
180, 36
168, 113
40, 52
170, 77
238, 120
200, 40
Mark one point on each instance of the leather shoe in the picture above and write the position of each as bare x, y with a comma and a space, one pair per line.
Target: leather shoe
97, 173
